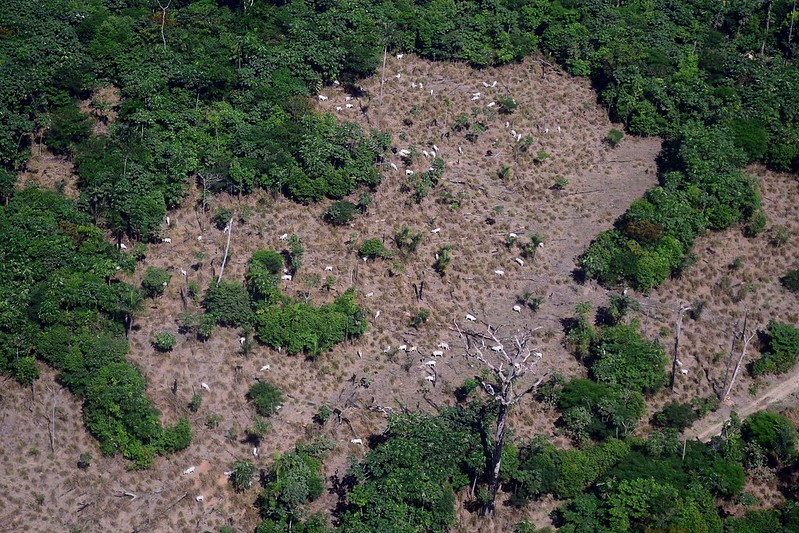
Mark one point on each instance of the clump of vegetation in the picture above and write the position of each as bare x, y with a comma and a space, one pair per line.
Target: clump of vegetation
507, 105
791, 280
679, 416
164, 341
560, 183
266, 397
155, 281
222, 217
780, 351
242, 475
84, 460
614, 137
420, 318
374, 249
229, 303
406, 241
443, 259
341, 213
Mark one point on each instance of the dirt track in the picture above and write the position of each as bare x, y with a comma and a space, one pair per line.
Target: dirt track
711, 425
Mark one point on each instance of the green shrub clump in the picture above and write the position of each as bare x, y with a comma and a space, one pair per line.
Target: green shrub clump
266, 397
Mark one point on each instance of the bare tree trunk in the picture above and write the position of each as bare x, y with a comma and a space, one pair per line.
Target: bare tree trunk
746, 341
496, 459
227, 247
678, 329
163, 20
790, 35
382, 82
765, 36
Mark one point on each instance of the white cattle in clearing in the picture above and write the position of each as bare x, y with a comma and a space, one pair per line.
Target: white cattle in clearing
189, 470
470, 317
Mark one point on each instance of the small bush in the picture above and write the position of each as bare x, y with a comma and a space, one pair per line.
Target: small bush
196, 402
374, 249
420, 318
85, 460
560, 183
155, 281
322, 415
443, 259
780, 352
756, 225
266, 397
221, 217
791, 280
229, 303
164, 341
675, 415
614, 137
340, 213
242, 475
507, 105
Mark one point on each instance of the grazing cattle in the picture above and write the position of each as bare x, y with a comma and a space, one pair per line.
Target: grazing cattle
412, 349
349, 106
199, 237
393, 166
470, 317
538, 355
328, 268
436, 230
683, 371
499, 272
189, 470
255, 452
485, 84
286, 277
443, 345
409, 172
400, 56
438, 353
167, 240
357, 441
377, 315
369, 294
284, 236
167, 221
122, 246
460, 150
199, 498
494, 84
403, 347
339, 108
205, 387
497, 348
517, 308
475, 98
264, 368
520, 261
431, 379
398, 76
491, 104
430, 363
435, 148
322, 97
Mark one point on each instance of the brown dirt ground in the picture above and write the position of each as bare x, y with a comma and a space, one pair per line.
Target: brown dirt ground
602, 182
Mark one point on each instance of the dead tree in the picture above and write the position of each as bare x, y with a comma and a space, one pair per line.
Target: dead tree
677, 331
746, 340
163, 19
229, 229
507, 370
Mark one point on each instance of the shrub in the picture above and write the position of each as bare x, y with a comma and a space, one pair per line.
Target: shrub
155, 281
85, 460
507, 105
780, 352
675, 415
221, 217
68, 127
773, 432
164, 341
756, 225
443, 259
266, 397
406, 241
229, 303
374, 249
420, 318
322, 415
196, 402
614, 137
177, 437
340, 213
560, 183
242, 475
791, 280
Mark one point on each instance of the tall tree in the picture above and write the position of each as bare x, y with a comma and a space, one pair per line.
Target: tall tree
509, 369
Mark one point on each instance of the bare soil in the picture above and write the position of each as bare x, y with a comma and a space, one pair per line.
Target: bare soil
363, 375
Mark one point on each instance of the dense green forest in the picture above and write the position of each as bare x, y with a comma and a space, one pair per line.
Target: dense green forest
217, 94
